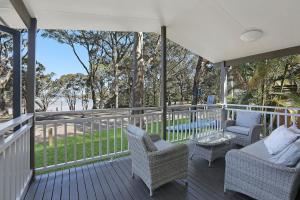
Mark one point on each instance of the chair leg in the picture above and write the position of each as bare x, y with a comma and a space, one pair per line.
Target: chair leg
132, 175
151, 193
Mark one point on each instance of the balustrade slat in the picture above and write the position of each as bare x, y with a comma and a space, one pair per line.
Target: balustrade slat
115, 136
55, 144
44, 145
83, 140
92, 138
122, 135
107, 138
100, 137
65, 143
75, 142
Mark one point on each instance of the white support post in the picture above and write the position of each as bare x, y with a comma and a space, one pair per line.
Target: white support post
223, 92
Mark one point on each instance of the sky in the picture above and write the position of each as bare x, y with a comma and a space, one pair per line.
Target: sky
58, 58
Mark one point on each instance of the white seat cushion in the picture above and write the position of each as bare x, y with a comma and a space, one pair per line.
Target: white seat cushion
257, 149
162, 144
279, 139
238, 129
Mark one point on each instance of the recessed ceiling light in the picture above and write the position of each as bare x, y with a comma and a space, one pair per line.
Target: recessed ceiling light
251, 35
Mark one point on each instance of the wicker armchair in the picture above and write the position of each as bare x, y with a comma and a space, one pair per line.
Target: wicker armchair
246, 128
248, 171
167, 163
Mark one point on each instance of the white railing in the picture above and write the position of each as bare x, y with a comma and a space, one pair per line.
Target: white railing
67, 142
15, 172
271, 116
64, 142
76, 139
182, 124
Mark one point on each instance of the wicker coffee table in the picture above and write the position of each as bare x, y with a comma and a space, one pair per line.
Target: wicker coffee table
212, 146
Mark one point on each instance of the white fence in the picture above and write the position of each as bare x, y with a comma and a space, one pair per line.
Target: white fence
15, 170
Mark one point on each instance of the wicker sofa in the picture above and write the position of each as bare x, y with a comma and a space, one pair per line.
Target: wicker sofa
246, 127
167, 163
250, 172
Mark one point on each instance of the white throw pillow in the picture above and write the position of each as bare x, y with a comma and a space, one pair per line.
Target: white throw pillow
279, 139
294, 129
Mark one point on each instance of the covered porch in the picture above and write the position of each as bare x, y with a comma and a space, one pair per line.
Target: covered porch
33, 168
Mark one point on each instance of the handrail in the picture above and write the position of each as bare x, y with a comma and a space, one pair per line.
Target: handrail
6, 126
12, 138
258, 106
94, 111
47, 113
266, 112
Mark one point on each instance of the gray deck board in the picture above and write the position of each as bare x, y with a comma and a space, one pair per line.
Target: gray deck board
113, 181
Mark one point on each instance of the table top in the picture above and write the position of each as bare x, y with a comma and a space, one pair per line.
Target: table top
213, 138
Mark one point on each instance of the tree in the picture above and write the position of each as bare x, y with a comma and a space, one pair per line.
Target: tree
196, 82
47, 89
70, 85
117, 47
151, 54
92, 42
103, 78
84, 91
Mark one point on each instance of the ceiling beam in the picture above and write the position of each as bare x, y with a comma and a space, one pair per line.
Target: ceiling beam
8, 30
22, 11
263, 56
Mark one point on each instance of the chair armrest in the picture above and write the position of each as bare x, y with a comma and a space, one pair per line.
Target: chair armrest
229, 123
164, 156
254, 132
155, 137
238, 156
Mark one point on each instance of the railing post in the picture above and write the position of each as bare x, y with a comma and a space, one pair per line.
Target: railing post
163, 78
17, 75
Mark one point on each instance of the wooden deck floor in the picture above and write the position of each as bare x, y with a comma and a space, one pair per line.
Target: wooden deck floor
112, 180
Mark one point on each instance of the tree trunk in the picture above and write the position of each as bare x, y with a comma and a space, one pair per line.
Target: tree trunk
93, 92
3, 105
263, 93
196, 83
283, 77
137, 93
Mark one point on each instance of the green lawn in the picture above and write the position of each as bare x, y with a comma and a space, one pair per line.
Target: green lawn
93, 143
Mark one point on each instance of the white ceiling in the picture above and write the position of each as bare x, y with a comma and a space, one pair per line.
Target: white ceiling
210, 28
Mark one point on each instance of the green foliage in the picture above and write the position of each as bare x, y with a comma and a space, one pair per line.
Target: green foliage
269, 82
